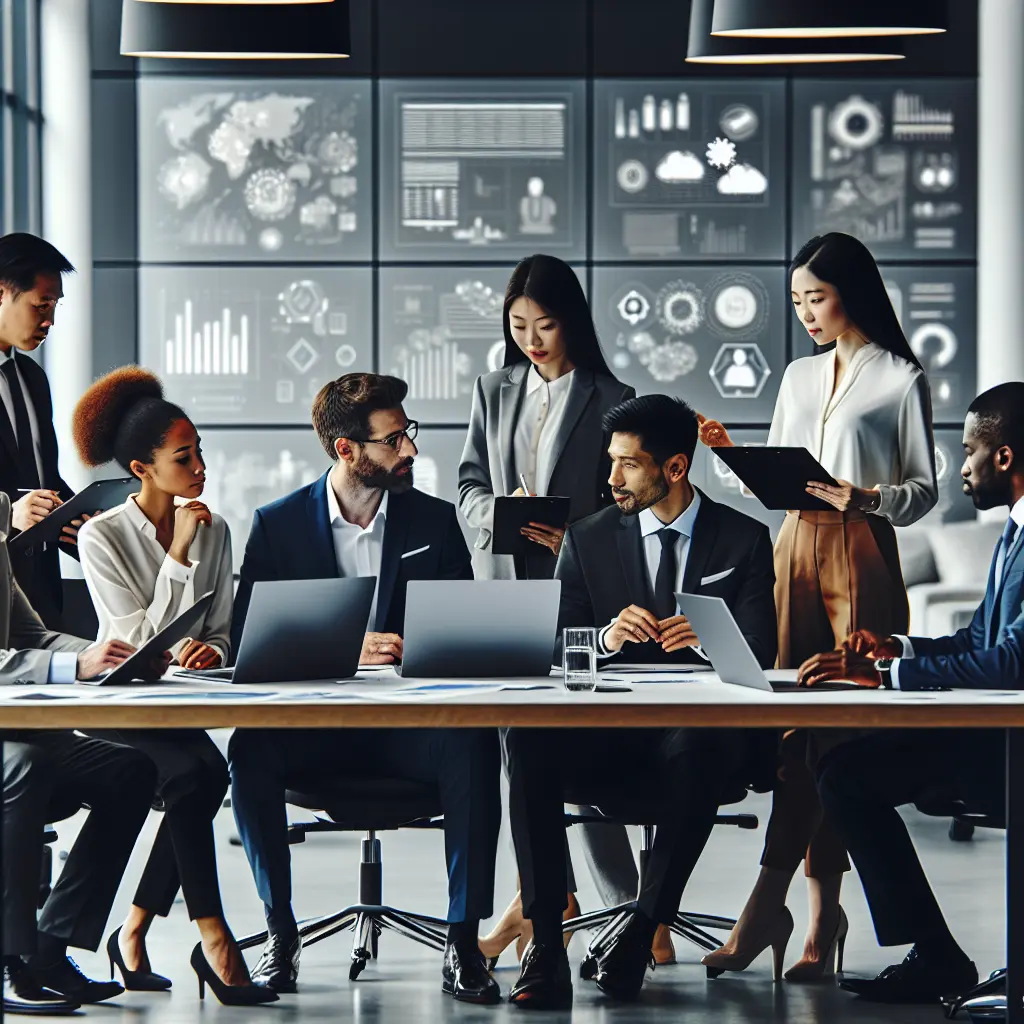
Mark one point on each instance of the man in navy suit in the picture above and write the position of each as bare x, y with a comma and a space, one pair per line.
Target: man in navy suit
864, 781
364, 518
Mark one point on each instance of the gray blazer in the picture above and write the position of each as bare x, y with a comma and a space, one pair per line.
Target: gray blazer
579, 466
25, 643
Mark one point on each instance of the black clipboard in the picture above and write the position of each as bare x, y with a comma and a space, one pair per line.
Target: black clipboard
512, 514
177, 629
778, 477
97, 497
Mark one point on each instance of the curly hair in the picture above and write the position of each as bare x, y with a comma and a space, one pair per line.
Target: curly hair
123, 416
342, 407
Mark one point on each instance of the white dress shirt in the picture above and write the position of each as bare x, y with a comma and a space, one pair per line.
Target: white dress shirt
650, 528
874, 431
137, 588
358, 551
33, 422
1017, 515
539, 420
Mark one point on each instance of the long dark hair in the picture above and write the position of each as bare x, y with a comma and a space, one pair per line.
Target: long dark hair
846, 263
554, 286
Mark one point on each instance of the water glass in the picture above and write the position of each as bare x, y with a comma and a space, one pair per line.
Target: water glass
579, 658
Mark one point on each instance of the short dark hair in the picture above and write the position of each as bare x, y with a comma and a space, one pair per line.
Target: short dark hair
666, 426
1000, 417
342, 408
23, 257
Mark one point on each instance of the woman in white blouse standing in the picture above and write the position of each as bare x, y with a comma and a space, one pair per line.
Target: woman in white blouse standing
862, 408
145, 562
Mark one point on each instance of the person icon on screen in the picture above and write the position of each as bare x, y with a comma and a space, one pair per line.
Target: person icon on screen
740, 376
536, 210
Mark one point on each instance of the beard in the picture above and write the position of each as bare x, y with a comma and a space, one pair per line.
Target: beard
637, 501
395, 480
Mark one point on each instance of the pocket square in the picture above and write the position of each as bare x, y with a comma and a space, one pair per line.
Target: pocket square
426, 547
715, 577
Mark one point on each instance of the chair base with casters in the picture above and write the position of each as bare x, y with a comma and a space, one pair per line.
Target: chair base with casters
369, 806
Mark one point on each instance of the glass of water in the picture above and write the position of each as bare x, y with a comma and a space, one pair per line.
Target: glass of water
579, 657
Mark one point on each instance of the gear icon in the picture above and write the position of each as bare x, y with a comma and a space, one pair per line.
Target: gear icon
633, 307
721, 153
680, 307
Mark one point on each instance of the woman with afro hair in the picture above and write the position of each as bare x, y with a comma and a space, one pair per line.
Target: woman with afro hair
145, 562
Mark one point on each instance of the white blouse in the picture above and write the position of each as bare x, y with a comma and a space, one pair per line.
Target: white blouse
137, 588
540, 418
876, 430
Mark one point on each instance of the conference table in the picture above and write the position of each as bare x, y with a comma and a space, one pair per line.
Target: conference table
654, 699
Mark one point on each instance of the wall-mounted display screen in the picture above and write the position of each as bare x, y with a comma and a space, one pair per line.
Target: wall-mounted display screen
954, 506
253, 345
485, 169
688, 168
716, 338
261, 170
892, 162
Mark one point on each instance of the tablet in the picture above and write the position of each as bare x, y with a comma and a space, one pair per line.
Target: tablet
97, 497
177, 629
512, 514
778, 477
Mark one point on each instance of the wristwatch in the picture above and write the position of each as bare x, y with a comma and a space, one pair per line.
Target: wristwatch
883, 666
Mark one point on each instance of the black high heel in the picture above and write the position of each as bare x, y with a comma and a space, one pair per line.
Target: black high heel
134, 981
229, 995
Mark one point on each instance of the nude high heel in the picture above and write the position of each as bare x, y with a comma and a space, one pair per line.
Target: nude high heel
513, 927
777, 938
805, 970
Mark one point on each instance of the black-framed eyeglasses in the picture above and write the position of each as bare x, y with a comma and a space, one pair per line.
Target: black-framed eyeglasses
412, 428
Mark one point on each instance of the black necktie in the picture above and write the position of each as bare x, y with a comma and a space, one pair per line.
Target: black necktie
665, 581
28, 472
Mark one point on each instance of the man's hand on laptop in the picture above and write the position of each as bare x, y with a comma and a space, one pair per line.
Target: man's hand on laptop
100, 658
196, 654
677, 633
871, 645
381, 649
839, 664
635, 624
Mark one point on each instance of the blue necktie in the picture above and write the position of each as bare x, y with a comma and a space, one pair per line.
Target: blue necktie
1005, 546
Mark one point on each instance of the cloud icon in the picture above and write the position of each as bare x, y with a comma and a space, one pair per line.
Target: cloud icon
678, 167
742, 180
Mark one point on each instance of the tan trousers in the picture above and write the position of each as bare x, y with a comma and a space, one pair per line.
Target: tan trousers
835, 572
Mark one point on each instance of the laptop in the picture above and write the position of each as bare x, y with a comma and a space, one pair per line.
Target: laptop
730, 654
479, 628
299, 631
178, 628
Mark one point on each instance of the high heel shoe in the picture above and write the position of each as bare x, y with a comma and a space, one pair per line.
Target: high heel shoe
805, 970
719, 961
511, 929
134, 981
229, 995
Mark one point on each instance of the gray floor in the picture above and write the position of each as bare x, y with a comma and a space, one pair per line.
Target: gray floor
404, 985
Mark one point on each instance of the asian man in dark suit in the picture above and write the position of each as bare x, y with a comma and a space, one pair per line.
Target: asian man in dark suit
364, 518
863, 782
30, 288
620, 570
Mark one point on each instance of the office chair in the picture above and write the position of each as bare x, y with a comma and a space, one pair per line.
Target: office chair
369, 806
78, 616
46, 866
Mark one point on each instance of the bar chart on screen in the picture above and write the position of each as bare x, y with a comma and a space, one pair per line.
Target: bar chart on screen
219, 346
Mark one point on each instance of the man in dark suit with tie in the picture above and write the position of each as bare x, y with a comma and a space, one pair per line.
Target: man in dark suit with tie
364, 518
30, 288
620, 570
863, 782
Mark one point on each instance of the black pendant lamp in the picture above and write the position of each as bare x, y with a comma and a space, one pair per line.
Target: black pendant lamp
704, 48
811, 19
282, 30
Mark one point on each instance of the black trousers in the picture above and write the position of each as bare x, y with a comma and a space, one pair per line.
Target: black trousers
861, 784
192, 779
49, 776
691, 769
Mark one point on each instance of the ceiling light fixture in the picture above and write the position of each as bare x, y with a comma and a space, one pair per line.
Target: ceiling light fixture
235, 31
812, 19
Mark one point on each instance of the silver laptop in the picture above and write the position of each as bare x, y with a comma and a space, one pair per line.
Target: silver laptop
479, 628
299, 630
733, 660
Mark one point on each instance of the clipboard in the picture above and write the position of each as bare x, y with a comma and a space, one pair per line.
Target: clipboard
778, 477
177, 629
512, 514
98, 496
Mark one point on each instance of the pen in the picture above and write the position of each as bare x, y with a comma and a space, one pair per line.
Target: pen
522, 483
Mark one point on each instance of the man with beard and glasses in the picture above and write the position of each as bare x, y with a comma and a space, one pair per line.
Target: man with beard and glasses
363, 517
863, 782
620, 570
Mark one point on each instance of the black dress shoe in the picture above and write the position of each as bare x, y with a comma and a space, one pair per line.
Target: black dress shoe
278, 965
23, 995
621, 970
65, 977
464, 975
545, 981
917, 980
